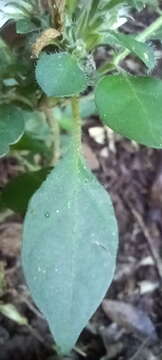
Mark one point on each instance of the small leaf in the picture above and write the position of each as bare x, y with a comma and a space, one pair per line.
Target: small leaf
11, 126
24, 26
132, 106
60, 75
69, 248
37, 137
17, 193
144, 51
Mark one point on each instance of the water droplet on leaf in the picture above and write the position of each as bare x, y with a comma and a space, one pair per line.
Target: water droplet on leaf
47, 215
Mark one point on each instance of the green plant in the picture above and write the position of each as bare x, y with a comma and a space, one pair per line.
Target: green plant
70, 234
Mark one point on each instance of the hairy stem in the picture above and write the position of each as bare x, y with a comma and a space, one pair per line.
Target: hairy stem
143, 36
77, 126
55, 129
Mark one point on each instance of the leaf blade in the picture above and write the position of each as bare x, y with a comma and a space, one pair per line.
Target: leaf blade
129, 104
142, 50
67, 222
11, 126
60, 75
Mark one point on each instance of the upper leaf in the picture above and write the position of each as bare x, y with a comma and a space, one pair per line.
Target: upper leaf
60, 75
11, 126
107, 5
132, 106
144, 51
69, 248
139, 4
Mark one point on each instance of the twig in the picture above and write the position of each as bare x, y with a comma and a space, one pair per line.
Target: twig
4, 215
154, 253
39, 337
137, 354
31, 306
80, 352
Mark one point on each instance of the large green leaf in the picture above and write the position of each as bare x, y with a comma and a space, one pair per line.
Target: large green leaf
132, 106
17, 193
69, 248
60, 75
11, 126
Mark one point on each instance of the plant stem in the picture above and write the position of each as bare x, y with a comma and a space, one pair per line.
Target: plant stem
24, 162
40, 7
22, 99
18, 98
55, 129
77, 125
143, 36
51, 11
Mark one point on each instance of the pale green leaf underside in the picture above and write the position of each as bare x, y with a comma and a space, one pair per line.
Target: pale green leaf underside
132, 106
11, 127
143, 51
60, 75
69, 248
